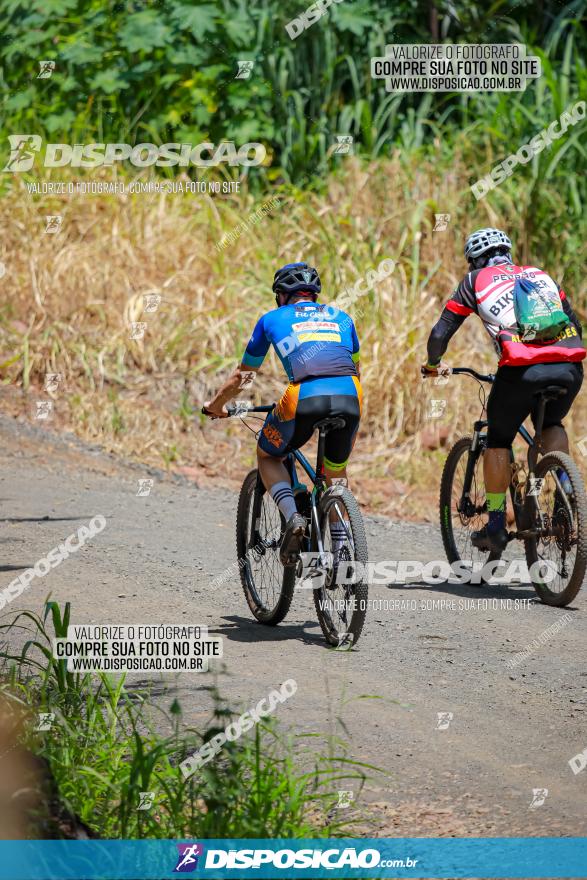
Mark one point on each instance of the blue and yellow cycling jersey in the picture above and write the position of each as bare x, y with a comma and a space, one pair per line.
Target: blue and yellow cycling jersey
317, 345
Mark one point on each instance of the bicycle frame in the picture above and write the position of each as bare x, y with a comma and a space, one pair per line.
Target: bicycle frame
317, 489
534, 446
317, 477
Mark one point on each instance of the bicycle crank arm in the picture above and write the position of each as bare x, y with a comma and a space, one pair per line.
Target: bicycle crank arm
525, 534
522, 535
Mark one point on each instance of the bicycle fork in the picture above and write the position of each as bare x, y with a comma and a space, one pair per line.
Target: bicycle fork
465, 506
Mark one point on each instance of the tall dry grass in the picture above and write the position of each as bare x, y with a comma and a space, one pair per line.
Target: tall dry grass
69, 300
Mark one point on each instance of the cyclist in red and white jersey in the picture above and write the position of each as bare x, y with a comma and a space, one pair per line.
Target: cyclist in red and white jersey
525, 366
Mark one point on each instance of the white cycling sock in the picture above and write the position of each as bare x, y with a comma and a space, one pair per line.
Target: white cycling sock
338, 535
283, 496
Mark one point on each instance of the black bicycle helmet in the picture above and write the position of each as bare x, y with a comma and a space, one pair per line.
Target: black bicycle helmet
295, 277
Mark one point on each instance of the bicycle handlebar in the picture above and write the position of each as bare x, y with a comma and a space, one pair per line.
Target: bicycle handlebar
238, 409
242, 408
482, 377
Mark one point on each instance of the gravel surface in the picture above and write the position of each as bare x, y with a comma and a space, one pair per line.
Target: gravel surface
512, 730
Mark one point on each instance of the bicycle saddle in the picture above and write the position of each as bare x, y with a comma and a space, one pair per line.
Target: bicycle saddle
331, 423
552, 392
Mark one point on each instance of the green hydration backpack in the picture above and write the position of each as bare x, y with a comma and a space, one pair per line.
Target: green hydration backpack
539, 313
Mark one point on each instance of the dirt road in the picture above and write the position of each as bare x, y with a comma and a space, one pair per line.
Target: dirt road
511, 731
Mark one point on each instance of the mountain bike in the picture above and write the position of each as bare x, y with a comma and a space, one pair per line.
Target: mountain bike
550, 511
268, 585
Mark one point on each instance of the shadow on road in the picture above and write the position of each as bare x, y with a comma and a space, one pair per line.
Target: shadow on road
46, 518
511, 592
472, 591
243, 629
16, 567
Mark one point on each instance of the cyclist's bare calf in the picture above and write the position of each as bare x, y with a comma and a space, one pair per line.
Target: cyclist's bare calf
339, 476
496, 462
331, 477
496, 469
555, 439
272, 469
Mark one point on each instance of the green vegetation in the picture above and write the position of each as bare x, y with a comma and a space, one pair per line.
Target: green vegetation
104, 747
131, 396
166, 73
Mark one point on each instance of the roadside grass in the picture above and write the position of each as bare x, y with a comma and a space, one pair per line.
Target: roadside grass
104, 748
71, 298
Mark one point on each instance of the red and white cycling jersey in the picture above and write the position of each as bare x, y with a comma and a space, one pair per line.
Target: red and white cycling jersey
489, 293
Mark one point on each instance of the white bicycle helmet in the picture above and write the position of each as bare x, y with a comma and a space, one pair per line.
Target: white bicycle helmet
483, 240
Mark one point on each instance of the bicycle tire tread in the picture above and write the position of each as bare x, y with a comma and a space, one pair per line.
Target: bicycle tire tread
361, 555
559, 600
279, 612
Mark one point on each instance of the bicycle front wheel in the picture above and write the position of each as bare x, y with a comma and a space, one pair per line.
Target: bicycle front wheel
267, 585
557, 561
341, 607
458, 521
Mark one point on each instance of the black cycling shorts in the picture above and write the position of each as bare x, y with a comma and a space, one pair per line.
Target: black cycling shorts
513, 398
280, 437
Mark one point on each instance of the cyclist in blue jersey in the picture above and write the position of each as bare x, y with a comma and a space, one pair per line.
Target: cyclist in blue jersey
318, 347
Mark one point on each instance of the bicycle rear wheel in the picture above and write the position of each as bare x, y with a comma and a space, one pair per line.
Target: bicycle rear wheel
456, 525
564, 552
342, 607
267, 585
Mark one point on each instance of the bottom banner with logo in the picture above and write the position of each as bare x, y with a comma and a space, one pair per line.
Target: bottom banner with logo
362, 858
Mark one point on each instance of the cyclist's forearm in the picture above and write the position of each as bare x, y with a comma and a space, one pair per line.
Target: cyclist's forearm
229, 390
441, 334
